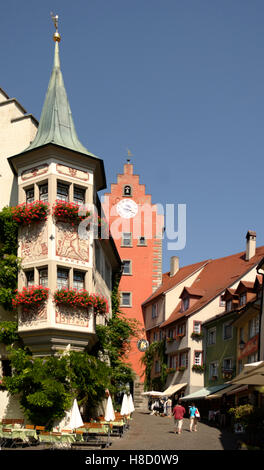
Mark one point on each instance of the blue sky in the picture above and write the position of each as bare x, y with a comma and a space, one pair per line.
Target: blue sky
178, 82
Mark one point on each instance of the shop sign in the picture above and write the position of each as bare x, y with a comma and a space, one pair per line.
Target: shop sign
250, 347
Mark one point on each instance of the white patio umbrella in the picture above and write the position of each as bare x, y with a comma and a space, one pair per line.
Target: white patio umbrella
109, 412
131, 404
75, 416
125, 407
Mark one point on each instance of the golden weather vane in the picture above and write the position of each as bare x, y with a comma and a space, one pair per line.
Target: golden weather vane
129, 154
55, 19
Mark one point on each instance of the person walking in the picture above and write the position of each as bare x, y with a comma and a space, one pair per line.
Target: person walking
178, 413
193, 419
169, 407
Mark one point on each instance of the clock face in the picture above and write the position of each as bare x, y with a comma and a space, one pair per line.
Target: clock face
127, 208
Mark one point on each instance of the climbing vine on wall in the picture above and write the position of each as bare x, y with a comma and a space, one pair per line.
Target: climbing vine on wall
156, 351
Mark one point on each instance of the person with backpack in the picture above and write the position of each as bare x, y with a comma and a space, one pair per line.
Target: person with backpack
194, 414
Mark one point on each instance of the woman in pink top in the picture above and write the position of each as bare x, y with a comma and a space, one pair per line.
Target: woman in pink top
178, 413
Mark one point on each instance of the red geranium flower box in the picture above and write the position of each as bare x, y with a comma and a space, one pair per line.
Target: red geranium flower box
25, 214
33, 295
81, 298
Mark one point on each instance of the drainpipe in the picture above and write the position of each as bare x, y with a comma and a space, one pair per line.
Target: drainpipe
261, 267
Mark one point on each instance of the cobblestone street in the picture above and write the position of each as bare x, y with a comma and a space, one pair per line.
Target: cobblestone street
157, 433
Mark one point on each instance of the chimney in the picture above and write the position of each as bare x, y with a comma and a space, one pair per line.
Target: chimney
174, 265
251, 245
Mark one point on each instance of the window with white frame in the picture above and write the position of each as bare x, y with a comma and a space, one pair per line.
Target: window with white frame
62, 192
43, 192
78, 280
62, 278
185, 304
30, 197
127, 267
213, 370
78, 195
184, 359
252, 358
198, 358
30, 279
173, 361
221, 301
126, 299
154, 310
228, 364
243, 299
43, 277
227, 331
127, 239
197, 327
211, 336
253, 327
181, 329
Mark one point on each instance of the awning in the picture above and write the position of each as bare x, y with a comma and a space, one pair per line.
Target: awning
204, 392
226, 391
173, 389
153, 393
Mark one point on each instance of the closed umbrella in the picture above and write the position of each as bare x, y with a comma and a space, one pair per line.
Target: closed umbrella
75, 419
109, 412
125, 407
131, 404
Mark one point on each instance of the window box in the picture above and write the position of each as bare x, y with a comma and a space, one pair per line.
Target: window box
169, 340
33, 295
198, 368
227, 374
170, 370
181, 368
197, 336
65, 211
81, 298
25, 214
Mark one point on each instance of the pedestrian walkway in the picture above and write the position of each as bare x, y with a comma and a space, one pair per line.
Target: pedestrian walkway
157, 433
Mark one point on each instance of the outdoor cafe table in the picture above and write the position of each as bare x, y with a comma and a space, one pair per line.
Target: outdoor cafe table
63, 438
18, 433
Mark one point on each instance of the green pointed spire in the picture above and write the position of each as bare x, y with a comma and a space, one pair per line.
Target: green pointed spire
56, 124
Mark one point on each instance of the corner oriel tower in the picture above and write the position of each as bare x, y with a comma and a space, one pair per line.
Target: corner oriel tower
61, 293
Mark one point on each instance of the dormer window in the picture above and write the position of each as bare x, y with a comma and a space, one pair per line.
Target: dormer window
185, 304
229, 305
243, 299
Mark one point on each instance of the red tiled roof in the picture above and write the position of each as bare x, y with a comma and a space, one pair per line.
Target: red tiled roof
168, 282
215, 277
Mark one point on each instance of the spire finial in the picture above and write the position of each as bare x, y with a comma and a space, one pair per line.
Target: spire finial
56, 35
129, 154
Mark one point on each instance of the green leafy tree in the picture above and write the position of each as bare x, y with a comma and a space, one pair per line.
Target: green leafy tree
9, 263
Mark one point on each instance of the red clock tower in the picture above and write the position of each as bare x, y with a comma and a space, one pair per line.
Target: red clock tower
137, 229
